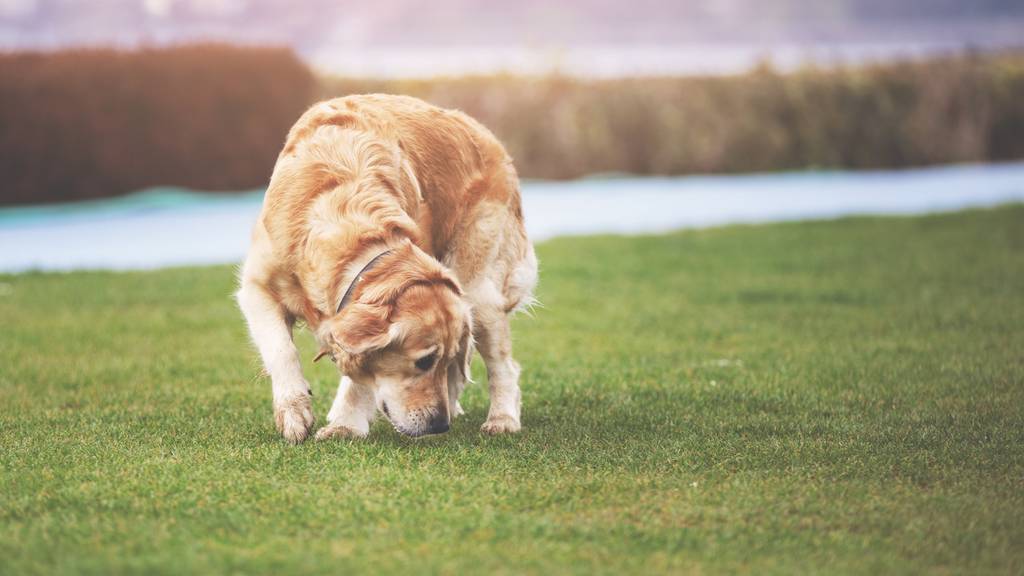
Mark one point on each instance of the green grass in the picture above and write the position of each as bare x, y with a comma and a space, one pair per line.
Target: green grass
841, 396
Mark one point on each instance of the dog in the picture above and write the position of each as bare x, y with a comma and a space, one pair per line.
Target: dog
393, 229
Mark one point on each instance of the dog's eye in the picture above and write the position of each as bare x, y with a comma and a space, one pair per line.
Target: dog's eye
426, 362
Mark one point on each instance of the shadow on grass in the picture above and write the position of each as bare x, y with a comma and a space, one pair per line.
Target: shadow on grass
638, 431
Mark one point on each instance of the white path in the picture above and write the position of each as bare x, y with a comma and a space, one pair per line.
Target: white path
171, 228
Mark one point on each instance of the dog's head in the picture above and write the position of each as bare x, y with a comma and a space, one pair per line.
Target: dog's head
403, 329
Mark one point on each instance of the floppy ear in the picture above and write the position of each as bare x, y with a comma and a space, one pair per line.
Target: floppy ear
448, 278
361, 328
465, 354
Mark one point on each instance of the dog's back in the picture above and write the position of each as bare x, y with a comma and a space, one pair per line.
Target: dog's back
448, 173
443, 158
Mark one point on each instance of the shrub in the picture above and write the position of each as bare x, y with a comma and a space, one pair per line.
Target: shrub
954, 109
91, 123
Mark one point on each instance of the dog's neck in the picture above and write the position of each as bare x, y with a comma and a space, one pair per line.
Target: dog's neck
352, 270
351, 280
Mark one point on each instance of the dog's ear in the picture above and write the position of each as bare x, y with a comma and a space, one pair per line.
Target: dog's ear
361, 328
465, 354
448, 278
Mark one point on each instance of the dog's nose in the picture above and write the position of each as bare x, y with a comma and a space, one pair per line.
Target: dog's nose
438, 424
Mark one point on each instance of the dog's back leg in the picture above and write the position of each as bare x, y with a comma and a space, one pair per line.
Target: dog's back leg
494, 341
495, 298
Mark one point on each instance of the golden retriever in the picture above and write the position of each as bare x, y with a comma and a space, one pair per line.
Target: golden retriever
394, 230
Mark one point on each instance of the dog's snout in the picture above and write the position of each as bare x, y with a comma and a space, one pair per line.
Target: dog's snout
418, 422
438, 424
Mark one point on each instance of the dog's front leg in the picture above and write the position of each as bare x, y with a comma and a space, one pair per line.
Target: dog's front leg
271, 331
351, 413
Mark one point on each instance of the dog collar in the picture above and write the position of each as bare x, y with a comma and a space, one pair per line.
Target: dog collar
359, 278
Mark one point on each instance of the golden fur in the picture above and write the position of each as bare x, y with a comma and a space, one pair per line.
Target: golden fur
359, 176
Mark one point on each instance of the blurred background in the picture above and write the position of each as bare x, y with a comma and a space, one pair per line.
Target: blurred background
148, 101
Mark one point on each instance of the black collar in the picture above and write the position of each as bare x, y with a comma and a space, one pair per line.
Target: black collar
359, 277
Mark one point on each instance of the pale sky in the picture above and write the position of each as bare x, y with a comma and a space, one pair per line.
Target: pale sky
398, 37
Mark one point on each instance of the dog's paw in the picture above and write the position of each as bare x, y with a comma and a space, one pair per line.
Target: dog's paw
332, 431
294, 417
500, 425
457, 410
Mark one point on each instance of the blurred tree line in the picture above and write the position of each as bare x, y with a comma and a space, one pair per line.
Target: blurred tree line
968, 108
95, 123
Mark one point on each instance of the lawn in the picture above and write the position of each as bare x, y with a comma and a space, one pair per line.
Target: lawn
841, 397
